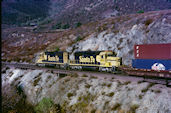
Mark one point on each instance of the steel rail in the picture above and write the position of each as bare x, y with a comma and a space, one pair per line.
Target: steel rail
135, 73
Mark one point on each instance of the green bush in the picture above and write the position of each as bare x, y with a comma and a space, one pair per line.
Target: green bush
46, 21
78, 38
116, 106
133, 108
78, 24
57, 49
110, 94
66, 26
44, 105
140, 11
69, 95
87, 85
57, 26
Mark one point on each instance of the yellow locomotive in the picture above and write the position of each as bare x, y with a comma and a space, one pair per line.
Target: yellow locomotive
101, 60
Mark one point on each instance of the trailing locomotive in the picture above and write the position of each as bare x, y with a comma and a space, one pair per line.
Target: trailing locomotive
100, 60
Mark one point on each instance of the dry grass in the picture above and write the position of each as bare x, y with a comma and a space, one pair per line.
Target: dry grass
84, 75
87, 85
93, 77
116, 107
148, 22
70, 95
127, 82
73, 75
133, 108
36, 81
109, 85
110, 94
148, 87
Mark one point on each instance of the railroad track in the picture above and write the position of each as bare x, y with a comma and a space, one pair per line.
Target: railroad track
126, 76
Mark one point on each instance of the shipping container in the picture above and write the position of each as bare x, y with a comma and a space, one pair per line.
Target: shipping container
151, 64
152, 51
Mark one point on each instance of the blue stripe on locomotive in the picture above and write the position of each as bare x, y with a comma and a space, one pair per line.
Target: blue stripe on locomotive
147, 63
53, 54
86, 54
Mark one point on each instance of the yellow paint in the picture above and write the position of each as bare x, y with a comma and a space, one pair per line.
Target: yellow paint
56, 58
65, 57
105, 59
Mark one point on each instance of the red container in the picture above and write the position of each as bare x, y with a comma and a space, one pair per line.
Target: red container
152, 51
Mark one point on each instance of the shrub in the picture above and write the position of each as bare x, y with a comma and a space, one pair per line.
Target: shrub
93, 111
44, 105
104, 84
133, 108
78, 24
69, 95
67, 79
116, 106
103, 93
57, 26
57, 49
140, 11
147, 88
66, 26
87, 85
79, 98
140, 96
73, 75
84, 75
148, 22
109, 85
93, 77
139, 82
78, 38
156, 91
110, 94
47, 21
35, 83
127, 82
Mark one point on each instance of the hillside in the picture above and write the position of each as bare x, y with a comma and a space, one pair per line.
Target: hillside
116, 33
72, 12
47, 92
18, 12
85, 11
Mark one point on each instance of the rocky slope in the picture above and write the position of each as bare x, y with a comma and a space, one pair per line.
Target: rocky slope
44, 90
143, 29
84, 11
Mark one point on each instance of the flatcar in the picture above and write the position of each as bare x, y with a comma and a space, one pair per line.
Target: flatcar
100, 60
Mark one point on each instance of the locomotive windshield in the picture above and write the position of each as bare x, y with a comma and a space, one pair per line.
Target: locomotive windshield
112, 55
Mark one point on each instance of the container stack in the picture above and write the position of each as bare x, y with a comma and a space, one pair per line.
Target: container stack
152, 56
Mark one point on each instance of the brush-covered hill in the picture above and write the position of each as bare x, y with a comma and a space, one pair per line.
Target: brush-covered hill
72, 12
116, 33
18, 12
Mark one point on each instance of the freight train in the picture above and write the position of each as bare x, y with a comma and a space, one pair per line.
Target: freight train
148, 56
99, 60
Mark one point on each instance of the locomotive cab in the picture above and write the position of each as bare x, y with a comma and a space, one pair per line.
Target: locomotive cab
108, 61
